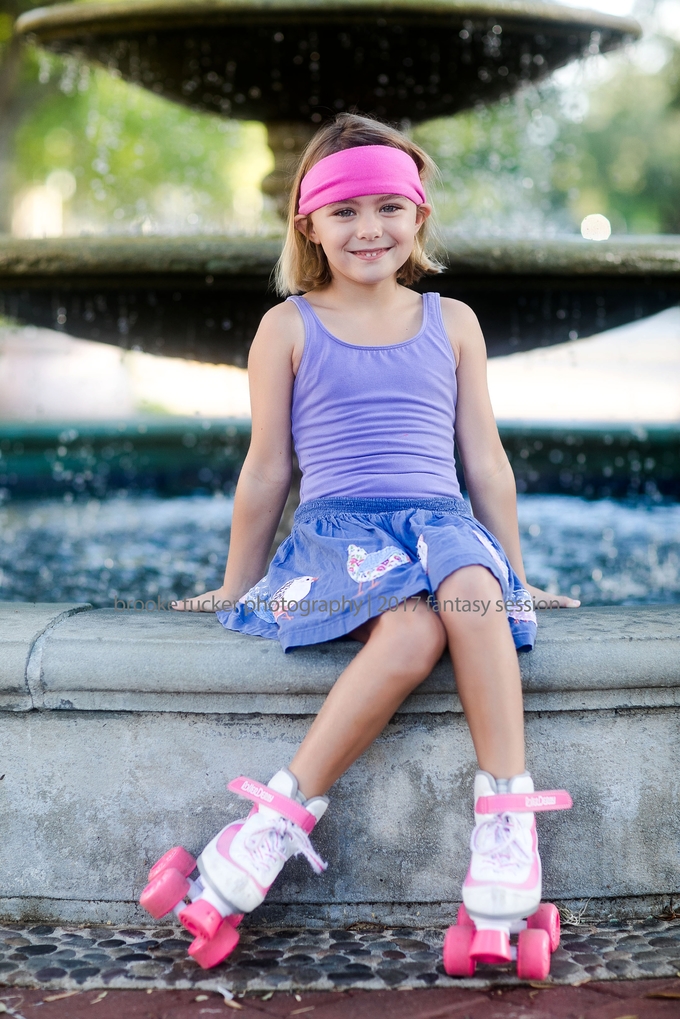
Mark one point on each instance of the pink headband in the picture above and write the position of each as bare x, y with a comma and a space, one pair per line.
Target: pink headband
363, 170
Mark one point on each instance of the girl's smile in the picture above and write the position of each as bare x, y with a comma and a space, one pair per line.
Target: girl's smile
370, 253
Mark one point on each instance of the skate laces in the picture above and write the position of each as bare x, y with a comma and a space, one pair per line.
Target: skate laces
267, 847
502, 842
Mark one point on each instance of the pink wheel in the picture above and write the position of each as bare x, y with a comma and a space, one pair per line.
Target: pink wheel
163, 893
178, 859
234, 918
457, 959
533, 955
208, 953
546, 918
201, 919
463, 918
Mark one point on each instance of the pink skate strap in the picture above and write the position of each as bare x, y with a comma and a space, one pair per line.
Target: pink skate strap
267, 797
522, 803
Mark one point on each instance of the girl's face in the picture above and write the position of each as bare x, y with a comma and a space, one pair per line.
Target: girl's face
366, 239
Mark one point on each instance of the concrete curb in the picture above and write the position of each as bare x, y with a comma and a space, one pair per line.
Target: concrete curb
73, 657
23, 630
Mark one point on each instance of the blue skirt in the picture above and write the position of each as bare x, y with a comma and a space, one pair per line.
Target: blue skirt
349, 559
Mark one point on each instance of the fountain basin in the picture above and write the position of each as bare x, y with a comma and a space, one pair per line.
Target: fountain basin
203, 297
180, 456
121, 729
302, 60
164, 455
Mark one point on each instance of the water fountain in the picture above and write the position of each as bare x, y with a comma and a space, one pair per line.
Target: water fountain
291, 63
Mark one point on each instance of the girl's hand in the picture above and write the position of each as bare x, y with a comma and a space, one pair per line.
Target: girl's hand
211, 601
543, 600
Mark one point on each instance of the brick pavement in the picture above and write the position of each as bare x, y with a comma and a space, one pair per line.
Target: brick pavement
628, 999
359, 973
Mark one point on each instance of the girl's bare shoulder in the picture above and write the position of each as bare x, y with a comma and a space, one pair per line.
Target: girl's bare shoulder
283, 320
462, 327
280, 336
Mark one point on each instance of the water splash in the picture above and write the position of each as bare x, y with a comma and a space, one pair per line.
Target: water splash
603, 552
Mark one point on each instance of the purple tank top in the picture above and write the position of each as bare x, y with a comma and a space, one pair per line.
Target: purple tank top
376, 421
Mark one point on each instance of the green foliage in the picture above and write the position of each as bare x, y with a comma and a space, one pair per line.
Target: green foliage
496, 165
128, 160
608, 143
6, 22
627, 159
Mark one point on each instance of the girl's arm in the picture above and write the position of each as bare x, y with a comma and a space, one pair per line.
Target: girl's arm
264, 481
488, 474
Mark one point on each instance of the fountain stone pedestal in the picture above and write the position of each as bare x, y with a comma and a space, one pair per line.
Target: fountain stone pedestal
122, 728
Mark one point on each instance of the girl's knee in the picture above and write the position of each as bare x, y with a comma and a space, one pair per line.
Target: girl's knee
470, 582
468, 597
414, 629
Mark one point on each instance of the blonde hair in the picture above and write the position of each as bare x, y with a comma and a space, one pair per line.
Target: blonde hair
303, 265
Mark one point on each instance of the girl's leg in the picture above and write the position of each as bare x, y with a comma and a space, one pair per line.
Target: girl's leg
239, 865
486, 669
401, 649
503, 883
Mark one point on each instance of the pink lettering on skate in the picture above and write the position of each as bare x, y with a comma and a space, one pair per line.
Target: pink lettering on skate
552, 799
258, 793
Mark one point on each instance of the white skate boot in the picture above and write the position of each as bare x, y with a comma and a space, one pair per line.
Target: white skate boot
237, 867
243, 860
504, 878
503, 884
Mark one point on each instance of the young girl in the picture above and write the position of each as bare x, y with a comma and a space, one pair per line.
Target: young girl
368, 378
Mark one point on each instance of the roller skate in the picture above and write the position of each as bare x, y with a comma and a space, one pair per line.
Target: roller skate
237, 868
502, 890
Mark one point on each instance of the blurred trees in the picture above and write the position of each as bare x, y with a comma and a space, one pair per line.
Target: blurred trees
626, 158
601, 137
115, 157
126, 159
19, 92
496, 167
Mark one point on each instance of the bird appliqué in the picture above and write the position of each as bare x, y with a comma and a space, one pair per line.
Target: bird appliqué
365, 566
493, 552
257, 601
293, 590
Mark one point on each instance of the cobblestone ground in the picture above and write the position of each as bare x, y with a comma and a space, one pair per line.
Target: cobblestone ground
363, 957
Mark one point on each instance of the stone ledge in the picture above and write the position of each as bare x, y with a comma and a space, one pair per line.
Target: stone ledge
77, 658
145, 257
23, 628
